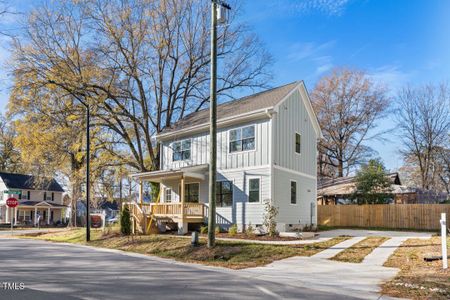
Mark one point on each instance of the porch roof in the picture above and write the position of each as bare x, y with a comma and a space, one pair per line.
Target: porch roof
197, 172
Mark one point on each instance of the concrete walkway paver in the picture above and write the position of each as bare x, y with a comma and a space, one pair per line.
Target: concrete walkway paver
332, 251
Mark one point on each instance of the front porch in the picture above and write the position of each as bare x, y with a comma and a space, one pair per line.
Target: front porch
33, 213
179, 200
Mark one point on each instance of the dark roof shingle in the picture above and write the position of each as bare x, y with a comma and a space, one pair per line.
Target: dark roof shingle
29, 182
261, 100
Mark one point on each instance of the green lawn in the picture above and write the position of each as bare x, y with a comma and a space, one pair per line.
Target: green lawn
235, 255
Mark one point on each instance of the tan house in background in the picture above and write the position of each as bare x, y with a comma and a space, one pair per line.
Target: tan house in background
40, 201
341, 190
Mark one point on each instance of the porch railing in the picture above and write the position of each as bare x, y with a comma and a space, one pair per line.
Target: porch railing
191, 210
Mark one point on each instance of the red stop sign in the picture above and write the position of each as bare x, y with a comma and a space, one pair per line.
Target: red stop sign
12, 202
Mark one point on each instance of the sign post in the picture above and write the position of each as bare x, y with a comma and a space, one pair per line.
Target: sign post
11, 203
444, 240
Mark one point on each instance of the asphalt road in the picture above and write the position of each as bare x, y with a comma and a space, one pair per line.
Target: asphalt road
60, 271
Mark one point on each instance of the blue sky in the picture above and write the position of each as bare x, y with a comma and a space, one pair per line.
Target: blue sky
397, 42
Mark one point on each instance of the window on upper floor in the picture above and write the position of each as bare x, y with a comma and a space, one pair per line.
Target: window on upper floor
242, 139
46, 197
181, 150
298, 143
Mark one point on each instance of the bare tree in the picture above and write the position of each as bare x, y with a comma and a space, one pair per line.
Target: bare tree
348, 104
143, 63
423, 116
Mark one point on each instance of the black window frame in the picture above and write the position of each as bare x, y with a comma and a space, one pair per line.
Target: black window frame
293, 192
298, 145
28, 195
220, 195
45, 196
182, 154
254, 192
240, 141
188, 195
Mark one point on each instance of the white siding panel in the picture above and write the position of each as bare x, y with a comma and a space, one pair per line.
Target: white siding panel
293, 117
299, 213
200, 149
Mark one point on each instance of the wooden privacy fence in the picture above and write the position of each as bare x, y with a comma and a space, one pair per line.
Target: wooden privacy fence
402, 216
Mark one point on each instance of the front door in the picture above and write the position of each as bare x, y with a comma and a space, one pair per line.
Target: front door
191, 192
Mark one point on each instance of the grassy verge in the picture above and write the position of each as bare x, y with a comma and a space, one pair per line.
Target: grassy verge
418, 279
233, 255
358, 251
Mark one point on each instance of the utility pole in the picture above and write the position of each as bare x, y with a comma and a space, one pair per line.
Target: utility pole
217, 7
88, 156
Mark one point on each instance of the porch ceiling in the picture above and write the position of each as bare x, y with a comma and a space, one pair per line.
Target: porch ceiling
196, 172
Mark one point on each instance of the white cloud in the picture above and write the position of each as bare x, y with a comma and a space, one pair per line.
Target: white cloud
391, 76
329, 7
314, 54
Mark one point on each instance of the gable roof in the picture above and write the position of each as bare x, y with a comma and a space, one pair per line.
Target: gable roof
29, 182
258, 101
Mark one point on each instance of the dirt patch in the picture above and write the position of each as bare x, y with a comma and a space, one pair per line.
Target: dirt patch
417, 278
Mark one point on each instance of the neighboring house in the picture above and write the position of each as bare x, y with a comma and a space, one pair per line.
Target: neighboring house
38, 199
266, 151
341, 191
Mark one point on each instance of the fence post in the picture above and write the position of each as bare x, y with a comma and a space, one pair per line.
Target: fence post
444, 240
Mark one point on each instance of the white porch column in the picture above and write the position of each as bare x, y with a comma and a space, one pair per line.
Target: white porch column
16, 215
48, 216
7, 214
141, 192
35, 216
182, 225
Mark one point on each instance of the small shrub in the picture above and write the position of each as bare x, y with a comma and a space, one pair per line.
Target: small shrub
125, 221
233, 230
250, 230
270, 217
204, 229
217, 231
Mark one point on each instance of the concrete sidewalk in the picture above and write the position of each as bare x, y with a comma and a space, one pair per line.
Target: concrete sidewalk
332, 251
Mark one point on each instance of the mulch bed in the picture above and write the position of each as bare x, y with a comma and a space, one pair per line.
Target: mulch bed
244, 236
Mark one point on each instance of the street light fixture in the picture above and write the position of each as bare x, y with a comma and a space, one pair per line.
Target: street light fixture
219, 11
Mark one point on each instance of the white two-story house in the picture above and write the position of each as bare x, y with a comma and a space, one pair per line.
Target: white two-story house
40, 201
266, 151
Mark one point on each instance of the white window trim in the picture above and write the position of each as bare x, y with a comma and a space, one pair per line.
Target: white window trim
232, 194
181, 142
228, 140
295, 143
296, 192
248, 188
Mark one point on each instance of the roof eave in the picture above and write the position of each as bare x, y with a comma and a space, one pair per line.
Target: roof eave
249, 116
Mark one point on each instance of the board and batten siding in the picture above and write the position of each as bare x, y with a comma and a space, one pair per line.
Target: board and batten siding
292, 117
225, 160
299, 213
